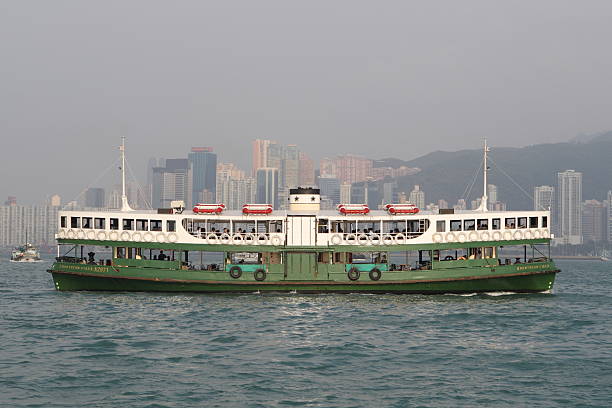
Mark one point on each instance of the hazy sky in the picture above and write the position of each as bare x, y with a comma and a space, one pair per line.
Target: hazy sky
378, 78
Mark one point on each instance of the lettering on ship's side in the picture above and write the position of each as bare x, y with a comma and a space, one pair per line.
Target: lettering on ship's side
528, 267
89, 268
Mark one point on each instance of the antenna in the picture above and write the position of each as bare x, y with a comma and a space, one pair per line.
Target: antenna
485, 198
125, 206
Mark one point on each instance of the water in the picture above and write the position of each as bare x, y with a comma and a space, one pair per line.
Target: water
162, 350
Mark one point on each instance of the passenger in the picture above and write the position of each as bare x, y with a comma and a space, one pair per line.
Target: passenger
162, 256
518, 261
155, 257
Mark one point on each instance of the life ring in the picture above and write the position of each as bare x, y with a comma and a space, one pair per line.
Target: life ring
147, 237
545, 233
260, 275
507, 235
375, 239
102, 235
70, 234
450, 237
235, 272
262, 239
461, 237
248, 238
91, 235
400, 239
473, 236
336, 239
161, 238
237, 239
518, 235
375, 274
353, 274
350, 238
437, 237
497, 236
276, 240
363, 239
225, 238
212, 239
537, 234
137, 237
61, 234
387, 239
80, 234
172, 237
114, 235
485, 236
528, 235
125, 236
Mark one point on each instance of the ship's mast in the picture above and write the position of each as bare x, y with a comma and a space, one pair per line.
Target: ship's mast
125, 206
485, 198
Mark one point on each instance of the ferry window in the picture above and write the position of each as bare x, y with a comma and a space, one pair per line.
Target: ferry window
99, 223
533, 222
544, 222
63, 221
496, 223
455, 225
156, 225
171, 226
522, 222
510, 223
142, 225
469, 225
323, 226
483, 224
120, 252
75, 222
441, 226
114, 223
128, 224
86, 222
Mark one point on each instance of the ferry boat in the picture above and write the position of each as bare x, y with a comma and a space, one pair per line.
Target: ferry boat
304, 249
25, 253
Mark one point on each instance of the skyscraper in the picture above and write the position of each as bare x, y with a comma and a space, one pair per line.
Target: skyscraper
307, 171
543, 197
203, 172
290, 167
267, 186
569, 200
94, 198
172, 182
594, 221
330, 189
260, 154
417, 197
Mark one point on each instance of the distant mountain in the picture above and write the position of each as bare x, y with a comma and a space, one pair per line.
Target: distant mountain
445, 175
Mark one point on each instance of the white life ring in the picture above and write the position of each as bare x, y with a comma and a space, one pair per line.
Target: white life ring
80, 234
546, 233
387, 239
400, 239
225, 238
461, 237
276, 240
363, 239
137, 237
537, 234
262, 239
350, 238
518, 235
172, 237
91, 235
528, 234
497, 236
147, 237
336, 239
125, 236
237, 239
161, 238
61, 234
437, 238
114, 235
473, 236
450, 237
249, 239
70, 234
375, 239
485, 236
101, 235
507, 235
212, 239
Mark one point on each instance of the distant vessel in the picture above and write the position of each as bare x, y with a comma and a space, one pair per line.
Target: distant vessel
25, 253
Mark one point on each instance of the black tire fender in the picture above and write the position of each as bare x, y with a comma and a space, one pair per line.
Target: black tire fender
353, 274
260, 275
375, 274
235, 272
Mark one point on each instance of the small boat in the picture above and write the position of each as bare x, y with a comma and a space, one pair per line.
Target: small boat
25, 253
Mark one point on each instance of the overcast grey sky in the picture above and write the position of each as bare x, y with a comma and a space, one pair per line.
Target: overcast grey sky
378, 78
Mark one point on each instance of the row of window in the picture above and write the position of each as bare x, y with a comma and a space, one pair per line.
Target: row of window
483, 224
125, 224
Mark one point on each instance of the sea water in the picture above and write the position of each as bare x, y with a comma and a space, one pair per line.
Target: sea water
87, 349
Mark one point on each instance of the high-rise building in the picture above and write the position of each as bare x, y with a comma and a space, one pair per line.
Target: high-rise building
172, 182
55, 200
327, 168
352, 169
330, 189
94, 197
11, 201
36, 224
234, 189
267, 186
345, 193
260, 154
543, 198
417, 197
442, 203
569, 200
389, 194
594, 221
203, 164
290, 167
307, 171
609, 208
